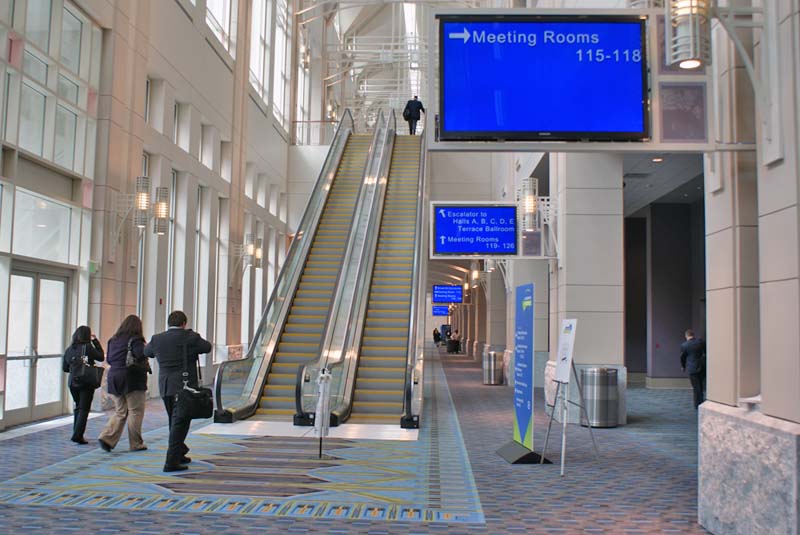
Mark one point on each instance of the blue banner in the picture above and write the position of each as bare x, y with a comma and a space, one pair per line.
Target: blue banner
441, 310
523, 367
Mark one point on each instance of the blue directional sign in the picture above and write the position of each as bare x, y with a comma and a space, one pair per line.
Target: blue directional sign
445, 293
474, 229
523, 366
536, 77
441, 310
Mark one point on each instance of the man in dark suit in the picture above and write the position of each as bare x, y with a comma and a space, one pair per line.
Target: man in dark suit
693, 361
176, 351
411, 114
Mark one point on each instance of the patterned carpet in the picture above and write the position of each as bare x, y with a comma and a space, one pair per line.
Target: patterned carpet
444, 483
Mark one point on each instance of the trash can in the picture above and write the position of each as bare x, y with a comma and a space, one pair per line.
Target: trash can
492, 368
600, 396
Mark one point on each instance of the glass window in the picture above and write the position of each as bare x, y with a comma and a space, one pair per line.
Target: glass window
34, 67
37, 23
260, 46
71, 28
218, 18
67, 89
281, 80
66, 123
31, 121
147, 88
173, 199
41, 227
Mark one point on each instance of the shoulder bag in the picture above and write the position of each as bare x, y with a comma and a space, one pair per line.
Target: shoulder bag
132, 362
196, 402
84, 373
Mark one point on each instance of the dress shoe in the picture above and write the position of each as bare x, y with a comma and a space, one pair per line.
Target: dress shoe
186, 460
105, 445
140, 448
79, 440
175, 468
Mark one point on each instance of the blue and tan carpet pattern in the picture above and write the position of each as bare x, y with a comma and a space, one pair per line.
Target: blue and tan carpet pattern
425, 480
450, 482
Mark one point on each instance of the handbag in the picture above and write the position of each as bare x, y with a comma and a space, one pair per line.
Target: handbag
132, 362
406, 114
84, 373
195, 402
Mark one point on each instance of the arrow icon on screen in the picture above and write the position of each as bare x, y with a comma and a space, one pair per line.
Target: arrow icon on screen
442, 213
463, 35
442, 238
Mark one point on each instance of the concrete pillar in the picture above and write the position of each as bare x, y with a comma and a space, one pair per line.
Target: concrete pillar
495, 312
525, 272
749, 468
480, 323
587, 283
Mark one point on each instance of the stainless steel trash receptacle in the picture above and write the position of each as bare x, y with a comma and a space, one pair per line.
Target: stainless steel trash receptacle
492, 368
600, 396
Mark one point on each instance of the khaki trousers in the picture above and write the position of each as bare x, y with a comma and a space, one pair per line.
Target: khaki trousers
129, 407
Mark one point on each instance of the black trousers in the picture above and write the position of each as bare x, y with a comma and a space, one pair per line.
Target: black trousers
178, 429
83, 404
698, 386
412, 126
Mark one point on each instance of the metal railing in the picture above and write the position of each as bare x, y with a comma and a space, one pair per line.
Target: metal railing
412, 397
314, 132
238, 384
339, 349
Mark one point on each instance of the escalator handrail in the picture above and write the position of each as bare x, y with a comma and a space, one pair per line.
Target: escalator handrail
351, 346
337, 291
300, 245
376, 158
416, 283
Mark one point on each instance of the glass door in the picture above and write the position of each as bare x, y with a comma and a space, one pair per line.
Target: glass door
36, 340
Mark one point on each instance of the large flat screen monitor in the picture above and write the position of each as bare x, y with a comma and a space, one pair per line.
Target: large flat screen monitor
542, 77
474, 229
441, 310
446, 293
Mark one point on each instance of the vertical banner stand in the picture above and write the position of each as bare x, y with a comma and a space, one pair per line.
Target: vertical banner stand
322, 419
562, 389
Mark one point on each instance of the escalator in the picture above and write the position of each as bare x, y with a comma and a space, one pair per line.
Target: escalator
382, 365
299, 341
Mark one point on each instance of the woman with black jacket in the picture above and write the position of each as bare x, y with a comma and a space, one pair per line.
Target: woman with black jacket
127, 385
83, 344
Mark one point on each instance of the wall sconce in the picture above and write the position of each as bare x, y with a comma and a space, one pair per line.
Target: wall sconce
161, 211
489, 265
138, 205
688, 33
305, 57
258, 253
529, 198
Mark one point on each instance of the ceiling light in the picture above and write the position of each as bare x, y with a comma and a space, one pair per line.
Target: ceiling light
658, 159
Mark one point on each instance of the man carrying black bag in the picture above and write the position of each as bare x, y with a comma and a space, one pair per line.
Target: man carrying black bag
176, 351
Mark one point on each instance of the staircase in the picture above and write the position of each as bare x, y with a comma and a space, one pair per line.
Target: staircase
380, 378
300, 340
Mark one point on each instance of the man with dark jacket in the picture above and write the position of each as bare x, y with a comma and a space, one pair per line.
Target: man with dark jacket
693, 361
176, 351
411, 114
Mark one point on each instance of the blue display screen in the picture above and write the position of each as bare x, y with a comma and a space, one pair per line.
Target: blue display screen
542, 78
474, 230
441, 310
445, 293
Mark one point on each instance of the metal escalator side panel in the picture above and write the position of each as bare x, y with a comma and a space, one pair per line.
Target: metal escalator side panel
380, 377
299, 339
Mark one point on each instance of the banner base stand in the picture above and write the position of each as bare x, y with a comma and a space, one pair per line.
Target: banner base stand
515, 453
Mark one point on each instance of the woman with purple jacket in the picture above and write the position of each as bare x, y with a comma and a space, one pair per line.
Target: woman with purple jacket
127, 385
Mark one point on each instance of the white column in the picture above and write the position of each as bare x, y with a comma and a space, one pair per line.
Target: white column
588, 280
